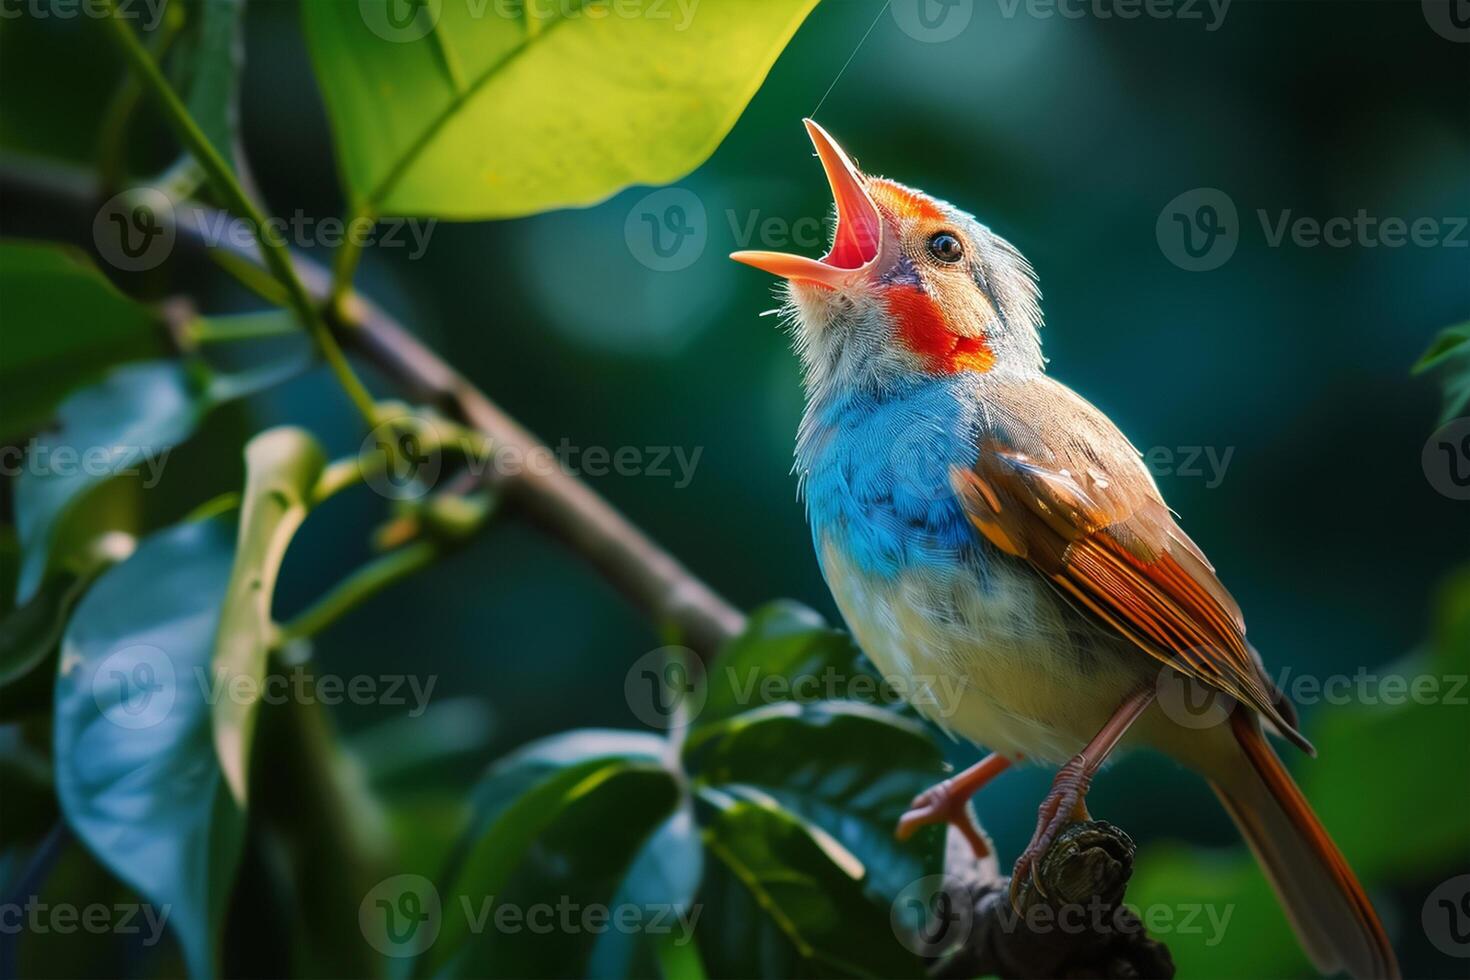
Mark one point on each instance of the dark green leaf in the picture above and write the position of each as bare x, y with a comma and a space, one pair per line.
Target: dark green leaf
127, 423
519, 797
26, 788
64, 325
664, 874
787, 653
809, 887
856, 772
564, 888
136, 771
736, 938
580, 105
281, 468
214, 58
30, 634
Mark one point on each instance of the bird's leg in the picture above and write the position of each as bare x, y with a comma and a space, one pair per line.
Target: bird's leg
1066, 802
946, 803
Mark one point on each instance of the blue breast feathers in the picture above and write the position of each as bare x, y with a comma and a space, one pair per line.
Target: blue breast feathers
875, 471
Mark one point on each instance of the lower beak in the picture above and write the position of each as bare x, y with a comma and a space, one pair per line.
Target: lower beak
859, 227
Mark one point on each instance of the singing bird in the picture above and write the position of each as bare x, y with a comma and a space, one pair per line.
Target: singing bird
991, 537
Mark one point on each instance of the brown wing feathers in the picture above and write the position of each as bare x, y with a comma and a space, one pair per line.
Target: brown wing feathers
1090, 519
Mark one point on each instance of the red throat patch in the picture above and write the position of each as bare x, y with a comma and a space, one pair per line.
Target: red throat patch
924, 331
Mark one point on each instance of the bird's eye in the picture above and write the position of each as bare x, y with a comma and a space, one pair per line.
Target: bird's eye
946, 247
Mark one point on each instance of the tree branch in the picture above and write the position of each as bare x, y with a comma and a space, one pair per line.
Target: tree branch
1074, 925
651, 578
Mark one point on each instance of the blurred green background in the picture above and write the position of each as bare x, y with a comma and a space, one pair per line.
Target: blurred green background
1068, 136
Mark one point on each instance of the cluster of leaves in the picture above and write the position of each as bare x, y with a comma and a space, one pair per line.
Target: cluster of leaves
128, 610
773, 824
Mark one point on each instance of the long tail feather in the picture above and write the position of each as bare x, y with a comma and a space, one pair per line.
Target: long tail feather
1327, 907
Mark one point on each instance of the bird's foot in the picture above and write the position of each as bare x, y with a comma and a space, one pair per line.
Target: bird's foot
1064, 804
939, 804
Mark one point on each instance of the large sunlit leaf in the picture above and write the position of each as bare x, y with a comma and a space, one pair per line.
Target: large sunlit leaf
809, 888
503, 109
126, 424
281, 468
856, 772
64, 325
136, 771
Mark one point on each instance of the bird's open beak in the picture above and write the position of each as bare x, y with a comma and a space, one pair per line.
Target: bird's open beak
859, 227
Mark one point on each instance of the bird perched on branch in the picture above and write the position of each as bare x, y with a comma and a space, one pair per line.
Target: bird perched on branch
1000, 552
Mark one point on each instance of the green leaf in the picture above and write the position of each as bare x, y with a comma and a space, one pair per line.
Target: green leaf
30, 635
64, 324
26, 788
520, 806
809, 888
854, 776
281, 468
505, 110
786, 653
1449, 341
127, 423
1449, 355
736, 938
214, 58
665, 873
136, 771
581, 860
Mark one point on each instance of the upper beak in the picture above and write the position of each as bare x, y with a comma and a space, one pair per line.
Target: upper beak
859, 226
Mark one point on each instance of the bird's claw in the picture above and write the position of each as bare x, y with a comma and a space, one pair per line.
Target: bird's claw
1062, 806
937, 805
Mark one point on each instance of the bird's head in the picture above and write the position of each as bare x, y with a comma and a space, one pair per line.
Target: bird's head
911, 285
